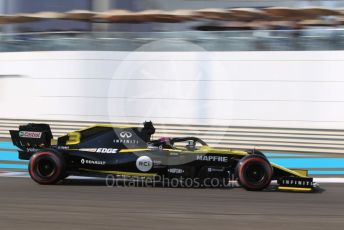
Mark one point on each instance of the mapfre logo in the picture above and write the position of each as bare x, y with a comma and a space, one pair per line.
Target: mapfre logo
125, 134
212, 158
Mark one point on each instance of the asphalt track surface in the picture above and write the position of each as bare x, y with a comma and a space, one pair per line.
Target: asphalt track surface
84, 204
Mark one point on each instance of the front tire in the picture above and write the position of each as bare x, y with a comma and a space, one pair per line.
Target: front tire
47, 167
254, 172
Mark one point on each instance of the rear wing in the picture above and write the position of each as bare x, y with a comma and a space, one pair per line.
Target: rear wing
31, 137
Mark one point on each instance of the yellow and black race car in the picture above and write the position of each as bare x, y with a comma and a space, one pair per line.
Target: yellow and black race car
129, 151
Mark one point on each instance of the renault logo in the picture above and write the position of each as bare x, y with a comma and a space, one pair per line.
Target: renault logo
126, 134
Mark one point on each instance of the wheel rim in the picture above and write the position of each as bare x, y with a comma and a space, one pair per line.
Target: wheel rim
46, 168
255, 173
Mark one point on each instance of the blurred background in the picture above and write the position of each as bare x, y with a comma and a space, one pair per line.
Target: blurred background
261, 73
94, 25
239, 74
33, 6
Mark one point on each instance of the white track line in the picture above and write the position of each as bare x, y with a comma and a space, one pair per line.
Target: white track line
14, 174
26, 175
329, 180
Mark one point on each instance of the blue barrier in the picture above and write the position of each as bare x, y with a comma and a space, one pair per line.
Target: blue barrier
309, 163
13, 166
287, 155
9, 156
289, 160
7, 145
329, 172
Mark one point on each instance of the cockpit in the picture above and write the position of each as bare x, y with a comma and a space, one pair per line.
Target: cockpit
182, 143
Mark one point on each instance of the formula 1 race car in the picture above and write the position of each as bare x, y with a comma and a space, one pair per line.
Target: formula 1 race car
129, 151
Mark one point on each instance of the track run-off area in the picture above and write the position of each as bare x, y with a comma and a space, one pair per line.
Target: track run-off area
90, 204
81, 203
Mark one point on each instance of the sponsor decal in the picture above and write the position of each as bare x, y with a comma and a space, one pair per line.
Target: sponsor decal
92, 162
117, 141
212, 158
126, 138
175, 170
125, 134
31, 150
215, 170
99, 150
144, 163
30, 134
106, 150
88, 150
63, 147
297, 182
156, 162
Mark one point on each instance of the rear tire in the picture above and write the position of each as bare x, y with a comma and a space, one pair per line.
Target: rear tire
254, 172
47, 167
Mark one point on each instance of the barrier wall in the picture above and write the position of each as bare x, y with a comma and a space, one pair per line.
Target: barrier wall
265, 89
241, 137
281, 101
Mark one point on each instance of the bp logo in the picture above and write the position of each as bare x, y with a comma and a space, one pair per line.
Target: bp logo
144, 163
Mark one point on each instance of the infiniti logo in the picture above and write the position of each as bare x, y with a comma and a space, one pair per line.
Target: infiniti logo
126, 134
